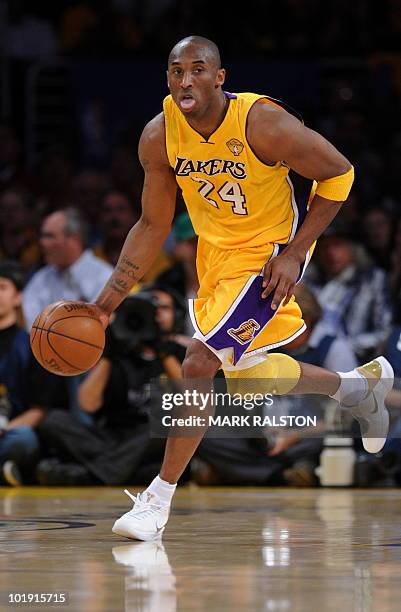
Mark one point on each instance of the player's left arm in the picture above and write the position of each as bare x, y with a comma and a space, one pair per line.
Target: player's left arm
277, 136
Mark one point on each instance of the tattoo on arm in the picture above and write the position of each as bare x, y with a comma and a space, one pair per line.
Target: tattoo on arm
118, 285
127, 262
130, 273
122, 284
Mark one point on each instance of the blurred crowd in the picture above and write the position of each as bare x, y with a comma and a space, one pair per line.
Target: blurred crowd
335, 27
63, 223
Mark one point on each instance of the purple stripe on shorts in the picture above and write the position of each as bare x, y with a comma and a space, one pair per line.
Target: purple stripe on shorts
244, 324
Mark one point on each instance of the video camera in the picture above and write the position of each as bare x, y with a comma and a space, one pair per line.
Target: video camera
135, 323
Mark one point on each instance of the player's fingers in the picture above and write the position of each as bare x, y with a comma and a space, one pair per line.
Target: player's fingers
290, 292
266, 272
279, 295
104, 318
271, 285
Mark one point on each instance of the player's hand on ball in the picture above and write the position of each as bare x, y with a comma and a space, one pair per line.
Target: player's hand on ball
101, 314
280, 275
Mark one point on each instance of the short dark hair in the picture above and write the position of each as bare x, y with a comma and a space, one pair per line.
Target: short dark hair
14, 273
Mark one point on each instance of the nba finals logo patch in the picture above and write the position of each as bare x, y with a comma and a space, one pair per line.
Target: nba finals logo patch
235, 146
245, 332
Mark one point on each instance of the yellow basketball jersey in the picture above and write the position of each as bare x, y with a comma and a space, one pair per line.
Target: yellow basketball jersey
234, 199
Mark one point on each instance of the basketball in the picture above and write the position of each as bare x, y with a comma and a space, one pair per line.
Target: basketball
67, 338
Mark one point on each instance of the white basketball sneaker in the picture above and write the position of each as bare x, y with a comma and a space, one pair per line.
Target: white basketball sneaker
371, 413
147, 519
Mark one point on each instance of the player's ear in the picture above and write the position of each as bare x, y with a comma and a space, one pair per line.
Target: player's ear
168, 84
221, 77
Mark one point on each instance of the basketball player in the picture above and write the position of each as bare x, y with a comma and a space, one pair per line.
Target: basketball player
248, 168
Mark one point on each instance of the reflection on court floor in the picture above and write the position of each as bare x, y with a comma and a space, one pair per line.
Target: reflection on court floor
224, 549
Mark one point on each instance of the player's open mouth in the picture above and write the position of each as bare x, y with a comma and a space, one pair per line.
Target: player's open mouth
187, 103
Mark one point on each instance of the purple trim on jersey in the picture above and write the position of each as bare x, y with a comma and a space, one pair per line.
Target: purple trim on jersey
251, 307
302, 189
230, 96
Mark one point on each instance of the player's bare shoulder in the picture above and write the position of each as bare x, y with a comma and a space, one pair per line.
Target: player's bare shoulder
152, 144
267, 127
271, 130
270, 118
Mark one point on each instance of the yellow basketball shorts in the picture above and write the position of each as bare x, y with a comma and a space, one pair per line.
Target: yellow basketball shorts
229, 314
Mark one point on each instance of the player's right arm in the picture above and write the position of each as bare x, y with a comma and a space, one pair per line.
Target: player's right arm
147, 236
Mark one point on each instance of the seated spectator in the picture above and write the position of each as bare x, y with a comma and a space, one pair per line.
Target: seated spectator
88, 187
72, 271
55, 173
18, 239
313, 345
25, 387
115, 446
352, 292
377, 235
182, 274
117, 216
126, 172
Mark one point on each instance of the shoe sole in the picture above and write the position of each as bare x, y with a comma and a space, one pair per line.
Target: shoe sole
138, 535
380, 392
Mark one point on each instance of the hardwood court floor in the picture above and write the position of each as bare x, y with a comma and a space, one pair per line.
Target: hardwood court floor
224, 549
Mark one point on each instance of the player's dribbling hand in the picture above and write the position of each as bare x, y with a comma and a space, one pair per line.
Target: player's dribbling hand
103, 316
280, 275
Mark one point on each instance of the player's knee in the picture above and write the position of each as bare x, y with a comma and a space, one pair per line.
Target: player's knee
193, 367
277, 374
199, 362
284, 372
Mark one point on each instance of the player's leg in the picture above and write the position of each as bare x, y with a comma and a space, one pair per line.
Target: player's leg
362, 390
149, 515
199, 364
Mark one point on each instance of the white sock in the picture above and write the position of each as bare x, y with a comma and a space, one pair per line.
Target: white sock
164, 490
353, 388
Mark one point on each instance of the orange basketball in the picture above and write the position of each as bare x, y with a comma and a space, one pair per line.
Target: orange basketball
67, 338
